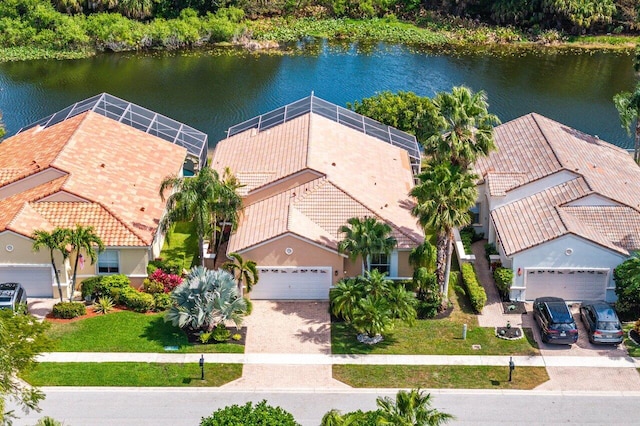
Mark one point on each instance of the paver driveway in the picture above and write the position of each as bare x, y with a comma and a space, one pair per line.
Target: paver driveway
287, 328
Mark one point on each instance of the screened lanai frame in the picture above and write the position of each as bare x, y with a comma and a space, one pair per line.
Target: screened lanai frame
338, 114
137, 117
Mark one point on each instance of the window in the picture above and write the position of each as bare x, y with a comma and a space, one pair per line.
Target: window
380, 261
475, 213
109, 262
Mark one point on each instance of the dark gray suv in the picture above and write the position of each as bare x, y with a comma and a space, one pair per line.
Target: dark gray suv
12, 295
602, 322
555, 320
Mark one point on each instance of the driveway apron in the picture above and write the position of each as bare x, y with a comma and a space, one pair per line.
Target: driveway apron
299, 327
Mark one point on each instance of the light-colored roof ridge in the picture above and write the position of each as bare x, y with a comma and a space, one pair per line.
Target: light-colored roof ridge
307, 157
83, 118
535, 118
388, 222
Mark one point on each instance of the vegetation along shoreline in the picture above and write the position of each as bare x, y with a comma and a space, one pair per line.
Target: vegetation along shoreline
68, 29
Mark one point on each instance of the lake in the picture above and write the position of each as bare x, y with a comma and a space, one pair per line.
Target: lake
213, 90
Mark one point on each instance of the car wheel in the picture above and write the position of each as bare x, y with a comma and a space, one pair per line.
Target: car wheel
545, 339
591, 339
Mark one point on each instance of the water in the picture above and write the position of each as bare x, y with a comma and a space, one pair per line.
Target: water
214, 90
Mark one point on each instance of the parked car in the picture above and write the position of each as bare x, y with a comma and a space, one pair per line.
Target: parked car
602, 323
12, 295
555, 320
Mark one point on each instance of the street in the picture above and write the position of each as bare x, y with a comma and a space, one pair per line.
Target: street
181, 406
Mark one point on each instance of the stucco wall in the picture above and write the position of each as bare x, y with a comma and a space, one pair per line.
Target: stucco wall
404, 269
32, 181
532, 188
553, 255
304, 254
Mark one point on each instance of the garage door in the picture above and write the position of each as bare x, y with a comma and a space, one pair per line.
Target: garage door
570, 284
292, 283
37, 280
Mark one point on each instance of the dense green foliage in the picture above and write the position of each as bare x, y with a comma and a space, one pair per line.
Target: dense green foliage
250, 415
365, 237
475, 291
369, 303
627, 277
68, 310
22, 338
504, 279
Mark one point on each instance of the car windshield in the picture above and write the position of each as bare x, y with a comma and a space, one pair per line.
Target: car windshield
562, 327
560, 313
609, 325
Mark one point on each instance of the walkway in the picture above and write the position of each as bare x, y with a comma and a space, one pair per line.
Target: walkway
296, 359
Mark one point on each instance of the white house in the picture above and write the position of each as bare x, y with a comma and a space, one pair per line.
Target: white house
562, 207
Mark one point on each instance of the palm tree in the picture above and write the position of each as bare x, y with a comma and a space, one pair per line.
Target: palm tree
138, 9
628, 106
83, 239
365, 237
55, 240
466, 127
423, 256
205, 299
444, 196
411, 408
344, 298
247, 271
228, 204
193, 200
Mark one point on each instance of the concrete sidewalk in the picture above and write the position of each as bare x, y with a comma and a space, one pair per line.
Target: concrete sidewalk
322, 359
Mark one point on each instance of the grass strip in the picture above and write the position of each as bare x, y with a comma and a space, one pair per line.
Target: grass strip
438, 376
127, 332
181, 245
136, 374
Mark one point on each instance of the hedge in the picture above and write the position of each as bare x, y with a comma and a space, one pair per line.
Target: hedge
503, 278
68, 310
250, 415
475, 291
136, 300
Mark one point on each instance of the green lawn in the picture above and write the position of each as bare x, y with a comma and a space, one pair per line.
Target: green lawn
181, 245
632, 348
439, 376
436, 336
130, 374
126, 332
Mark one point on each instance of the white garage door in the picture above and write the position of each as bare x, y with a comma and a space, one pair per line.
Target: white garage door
310, 282
570, 284
37, 280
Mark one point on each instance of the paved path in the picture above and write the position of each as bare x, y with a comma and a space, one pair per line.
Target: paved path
323, 359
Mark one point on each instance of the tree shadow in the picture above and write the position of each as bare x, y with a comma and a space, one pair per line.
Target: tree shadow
179, 252
346, 341
164, 334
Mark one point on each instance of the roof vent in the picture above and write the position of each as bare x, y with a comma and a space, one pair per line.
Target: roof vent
141, 209
102, 165
333, 164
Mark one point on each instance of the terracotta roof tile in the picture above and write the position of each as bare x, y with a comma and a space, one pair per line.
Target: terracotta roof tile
12, 205
106, 162
369, 176
500, 183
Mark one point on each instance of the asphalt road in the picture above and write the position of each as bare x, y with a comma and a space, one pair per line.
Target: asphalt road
159, 407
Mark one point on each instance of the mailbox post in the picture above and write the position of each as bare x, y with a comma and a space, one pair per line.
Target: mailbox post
512, 367
202, 368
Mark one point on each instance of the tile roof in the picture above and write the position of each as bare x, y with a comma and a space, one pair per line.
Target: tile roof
532, 147
117, 169
362, 176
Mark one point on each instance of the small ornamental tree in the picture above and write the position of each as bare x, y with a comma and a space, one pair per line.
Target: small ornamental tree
627, 277
249, 415
168, 281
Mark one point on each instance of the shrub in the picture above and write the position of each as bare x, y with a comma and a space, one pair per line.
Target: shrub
204, 337
167, 266
476, 293
89, 285
248, 415
162, 301
503, 278
152, 287
103, 306
220, 333
236, 336
136, 300
108, 284
489, 249
249, 305
68, 310
167, 281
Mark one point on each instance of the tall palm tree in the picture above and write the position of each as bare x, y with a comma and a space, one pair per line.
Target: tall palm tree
466, 127
194, 199
83, 239
365, 237
228, 205
411, 408
423, 256
245, 271
444, 196
628, 106
55, 240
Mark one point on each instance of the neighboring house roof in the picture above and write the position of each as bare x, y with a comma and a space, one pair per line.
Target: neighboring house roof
533, 147
88, 170
353, 175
